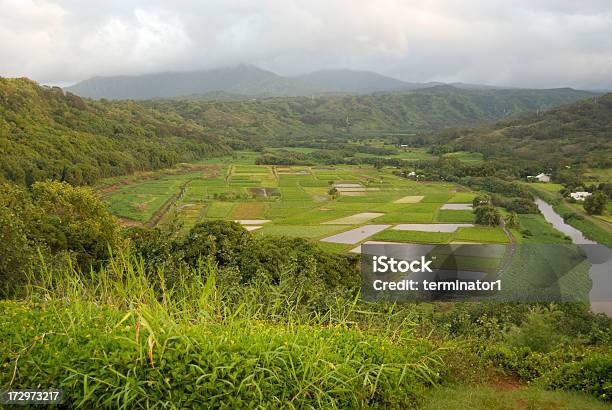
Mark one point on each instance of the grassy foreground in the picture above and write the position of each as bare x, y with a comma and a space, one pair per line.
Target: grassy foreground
124, 337
125, 343
506, 397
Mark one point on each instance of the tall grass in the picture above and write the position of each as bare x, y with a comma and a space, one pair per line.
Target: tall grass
122, 337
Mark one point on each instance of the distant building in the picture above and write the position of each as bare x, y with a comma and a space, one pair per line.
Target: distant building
580, 196
540, 177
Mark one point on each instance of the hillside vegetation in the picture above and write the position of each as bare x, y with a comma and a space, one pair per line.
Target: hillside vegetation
45, 133
315, 121
48, 134
576, 133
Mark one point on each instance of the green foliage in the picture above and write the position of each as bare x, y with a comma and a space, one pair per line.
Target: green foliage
16, 252
563, 136
235, 363
571, 178
293, 262
74, 219
48, 134
486, 215
585, 371
53, 220
224, 240
517, 205
537, 332
129, 339
132, 336
481, 200
511, 220
590, 229
269, 122
595, 204
590, 376
493, 394
496, 185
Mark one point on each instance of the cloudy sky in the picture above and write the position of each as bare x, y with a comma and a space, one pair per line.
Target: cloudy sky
528, 43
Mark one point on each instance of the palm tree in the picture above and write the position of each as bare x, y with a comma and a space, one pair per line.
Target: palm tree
511, 220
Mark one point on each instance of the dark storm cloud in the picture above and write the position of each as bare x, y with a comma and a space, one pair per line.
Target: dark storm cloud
545, 43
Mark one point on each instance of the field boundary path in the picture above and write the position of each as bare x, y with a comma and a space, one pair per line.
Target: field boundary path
230, 172
510, 251
275, 173
159, 214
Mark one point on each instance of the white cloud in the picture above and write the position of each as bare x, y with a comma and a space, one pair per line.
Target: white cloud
545, 43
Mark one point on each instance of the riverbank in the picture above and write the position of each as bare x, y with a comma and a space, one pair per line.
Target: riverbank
594, 229
599, 256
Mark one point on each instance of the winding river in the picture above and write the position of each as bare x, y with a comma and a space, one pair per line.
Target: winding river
600, 257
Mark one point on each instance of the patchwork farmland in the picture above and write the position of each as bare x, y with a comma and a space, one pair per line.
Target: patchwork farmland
340, 206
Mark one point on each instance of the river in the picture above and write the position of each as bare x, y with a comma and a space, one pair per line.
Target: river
600, 257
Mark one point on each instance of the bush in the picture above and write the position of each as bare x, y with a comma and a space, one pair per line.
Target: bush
537, 332
521, 206
487, 215
522, 362
53, 221
592, 375
596, 203
290, 262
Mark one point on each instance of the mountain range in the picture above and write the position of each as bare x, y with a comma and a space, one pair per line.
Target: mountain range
243, 82
46, 132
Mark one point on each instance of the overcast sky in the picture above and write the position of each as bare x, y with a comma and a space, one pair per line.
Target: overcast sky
528, 43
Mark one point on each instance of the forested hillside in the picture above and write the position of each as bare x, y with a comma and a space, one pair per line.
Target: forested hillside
576, 133
45, 133
302, 121
48, 134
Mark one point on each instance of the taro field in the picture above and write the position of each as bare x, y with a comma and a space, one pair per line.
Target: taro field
299, 201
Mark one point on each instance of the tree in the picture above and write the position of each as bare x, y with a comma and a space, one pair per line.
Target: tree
56, 221
220, 239
486, 215
481, 200
596, 203
74, 219
521, 206
512, 220
333, 192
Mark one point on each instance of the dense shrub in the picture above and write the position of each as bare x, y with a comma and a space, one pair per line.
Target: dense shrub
486, 215
520, 206
592, 375
537, 332
321, 276
49, 223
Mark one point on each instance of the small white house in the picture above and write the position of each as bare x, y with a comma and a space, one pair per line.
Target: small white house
542, 177
580, 196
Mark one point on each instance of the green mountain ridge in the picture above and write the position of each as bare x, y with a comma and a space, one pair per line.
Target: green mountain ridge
47, 133
299, 120
580, 132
